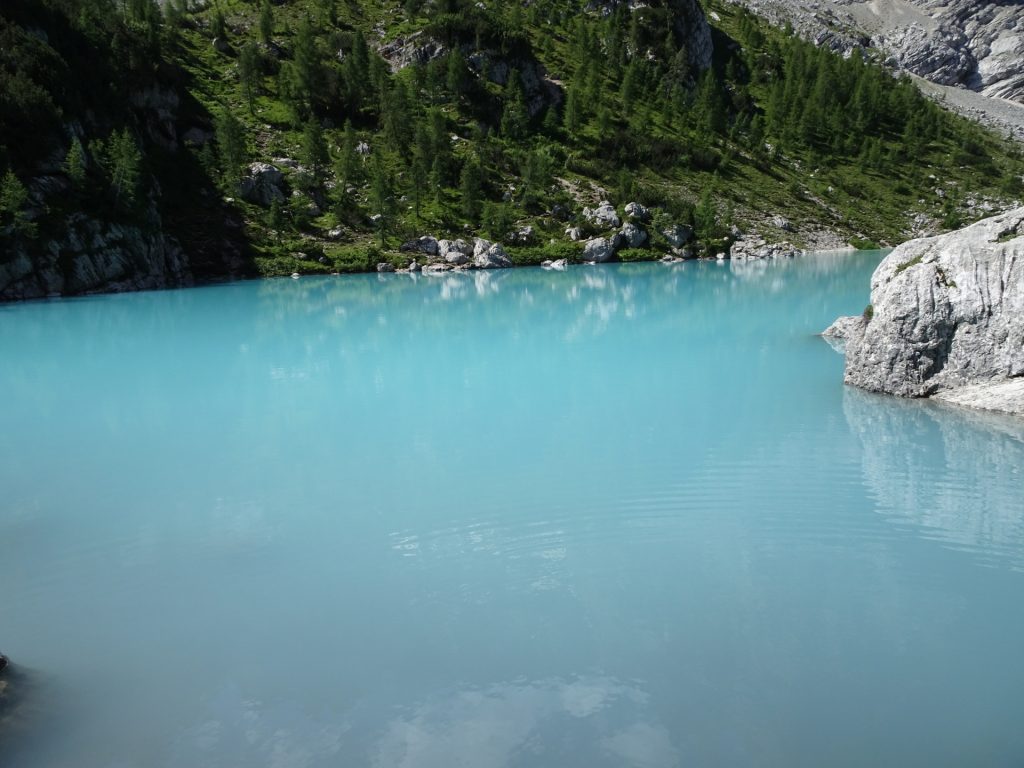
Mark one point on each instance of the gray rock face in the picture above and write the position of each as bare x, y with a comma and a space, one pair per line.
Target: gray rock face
754, 249
947, 313
604, 216
385, 266
93, 256
263, 184
842, 330
599, 250
678, 235
488, 255
426, 245
456, 252
415, 48
638, 211
633, 236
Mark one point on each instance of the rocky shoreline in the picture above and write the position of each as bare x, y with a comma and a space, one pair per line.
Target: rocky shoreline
946, 320
601, 238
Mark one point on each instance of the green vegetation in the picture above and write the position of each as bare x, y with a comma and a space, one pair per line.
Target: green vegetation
502, 115
908, 264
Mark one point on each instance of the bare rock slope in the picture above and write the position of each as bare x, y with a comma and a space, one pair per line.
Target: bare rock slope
946, 319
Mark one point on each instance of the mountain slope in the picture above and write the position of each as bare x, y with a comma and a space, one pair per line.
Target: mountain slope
320, 135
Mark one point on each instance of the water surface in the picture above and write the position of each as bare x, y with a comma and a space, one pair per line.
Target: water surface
616, 516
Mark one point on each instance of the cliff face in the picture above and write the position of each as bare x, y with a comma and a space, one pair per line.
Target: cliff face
98, 191
947, 319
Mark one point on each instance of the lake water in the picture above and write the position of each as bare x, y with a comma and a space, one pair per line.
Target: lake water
617, 516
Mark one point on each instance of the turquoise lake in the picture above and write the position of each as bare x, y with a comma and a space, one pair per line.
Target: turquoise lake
624, 515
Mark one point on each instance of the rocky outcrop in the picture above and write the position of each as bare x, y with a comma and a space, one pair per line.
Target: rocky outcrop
677, 235
599, 250
488, 255
603, 216
426, 245
263, 185
756, 248
416, 48
688, 23
844, 329
454, 252
633, 236
91, 256
947, 318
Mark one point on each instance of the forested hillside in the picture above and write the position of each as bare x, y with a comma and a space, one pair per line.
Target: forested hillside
233, 137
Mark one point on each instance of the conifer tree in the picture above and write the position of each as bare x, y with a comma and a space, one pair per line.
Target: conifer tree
382, 194
230, 147
471, 185
315, 154
514, 118
13, 198
75, 164
249, 74
266, 24
124, 163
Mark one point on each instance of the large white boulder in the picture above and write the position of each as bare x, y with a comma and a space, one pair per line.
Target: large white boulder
946, 313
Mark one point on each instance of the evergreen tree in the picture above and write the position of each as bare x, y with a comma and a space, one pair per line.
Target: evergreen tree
218, 26
419, 168
75, 164
315, 154
348, 166
230, 147
13, 198
514, 118
382, 194
571, 118
249, 74
471, 185
266, 24
124, 164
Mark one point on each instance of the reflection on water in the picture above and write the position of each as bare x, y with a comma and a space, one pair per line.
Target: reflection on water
956, 474
622, 516
519, 723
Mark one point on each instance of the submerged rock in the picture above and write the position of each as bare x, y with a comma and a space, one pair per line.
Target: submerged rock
947, 318
842, 330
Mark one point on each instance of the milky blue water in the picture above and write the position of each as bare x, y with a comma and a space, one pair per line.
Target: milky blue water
616, 516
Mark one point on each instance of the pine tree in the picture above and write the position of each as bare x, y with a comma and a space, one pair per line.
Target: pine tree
471, 186
382, 194
13, 197
124, 164
571, 118
347, 166
315, 154
230, 147
249, 74
266, 25
514, 118
419, 168
75, 164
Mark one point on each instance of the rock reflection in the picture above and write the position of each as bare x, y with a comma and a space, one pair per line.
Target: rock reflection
915, 456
